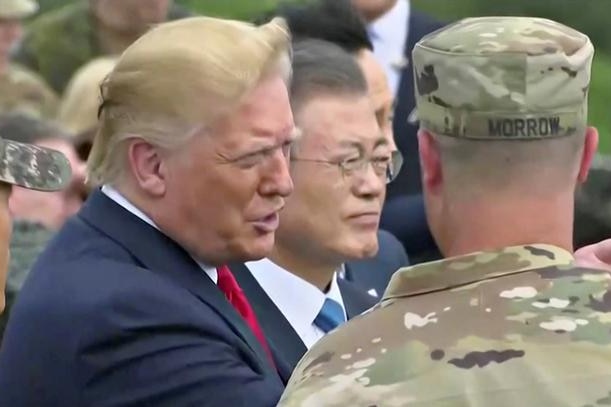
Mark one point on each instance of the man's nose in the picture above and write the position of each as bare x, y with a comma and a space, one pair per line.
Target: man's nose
277, 177
369, 183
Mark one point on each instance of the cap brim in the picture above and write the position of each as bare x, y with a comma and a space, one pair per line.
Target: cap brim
33, 167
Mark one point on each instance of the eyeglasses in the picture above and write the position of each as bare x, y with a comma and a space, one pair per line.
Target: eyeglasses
387, 167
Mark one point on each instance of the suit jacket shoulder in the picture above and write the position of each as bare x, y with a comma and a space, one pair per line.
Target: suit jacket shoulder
373, 274
128, 320
527, 325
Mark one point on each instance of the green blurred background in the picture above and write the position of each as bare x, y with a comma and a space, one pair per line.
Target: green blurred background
589, 16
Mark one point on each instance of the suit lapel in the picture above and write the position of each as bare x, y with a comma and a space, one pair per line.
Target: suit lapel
159, 254
362, 274
356, 300
285, 343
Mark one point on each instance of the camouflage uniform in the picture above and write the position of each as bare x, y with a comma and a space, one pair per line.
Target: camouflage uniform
32, 167
63, 40
20, 89
519, 326
27, 242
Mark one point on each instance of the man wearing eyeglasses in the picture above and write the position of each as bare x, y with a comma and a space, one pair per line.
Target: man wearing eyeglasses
340, 168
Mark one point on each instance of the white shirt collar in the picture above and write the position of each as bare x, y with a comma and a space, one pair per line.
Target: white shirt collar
389, 37
298, 300
392, 23
116, 196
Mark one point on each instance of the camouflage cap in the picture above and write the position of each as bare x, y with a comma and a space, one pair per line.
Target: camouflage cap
503, 78
17, 8
33, 167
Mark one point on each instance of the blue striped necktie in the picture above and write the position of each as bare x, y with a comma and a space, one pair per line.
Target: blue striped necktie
330, 316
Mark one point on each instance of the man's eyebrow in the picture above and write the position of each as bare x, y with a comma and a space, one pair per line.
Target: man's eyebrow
382, 141
293, 135
351, 144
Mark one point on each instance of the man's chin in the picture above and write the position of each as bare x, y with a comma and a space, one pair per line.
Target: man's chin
257, 249
363, 251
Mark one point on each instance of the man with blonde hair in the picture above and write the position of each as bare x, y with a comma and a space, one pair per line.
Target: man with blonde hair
133, 297
508, 318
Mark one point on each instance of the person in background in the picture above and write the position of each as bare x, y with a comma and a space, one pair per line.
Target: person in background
507, 318
340, 167
336, 21
394, 27
593, 204
37, 215
28, 166
61, 41
20, 89
79, 108
133, 295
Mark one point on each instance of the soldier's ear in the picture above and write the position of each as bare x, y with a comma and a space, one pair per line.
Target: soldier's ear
430, 161
589, 151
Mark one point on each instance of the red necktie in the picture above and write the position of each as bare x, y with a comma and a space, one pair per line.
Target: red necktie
234, 294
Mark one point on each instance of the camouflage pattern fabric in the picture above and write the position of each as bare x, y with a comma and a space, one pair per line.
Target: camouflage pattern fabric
503, 78
61, 41
593, 204
518, 327
27, 242
24, 91
33, 167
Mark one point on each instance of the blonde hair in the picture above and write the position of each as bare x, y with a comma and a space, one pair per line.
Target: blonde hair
178, 78
78, 111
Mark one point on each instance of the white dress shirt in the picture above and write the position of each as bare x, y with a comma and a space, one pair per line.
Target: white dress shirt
388, 34
298, 300
116, 196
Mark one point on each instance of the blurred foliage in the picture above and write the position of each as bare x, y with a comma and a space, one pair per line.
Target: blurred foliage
589, 16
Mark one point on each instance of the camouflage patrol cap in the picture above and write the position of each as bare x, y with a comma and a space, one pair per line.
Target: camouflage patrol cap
17, 8
33, 167
503, 78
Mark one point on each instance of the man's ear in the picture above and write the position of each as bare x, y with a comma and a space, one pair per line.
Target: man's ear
147, 166
430, 161
589, 151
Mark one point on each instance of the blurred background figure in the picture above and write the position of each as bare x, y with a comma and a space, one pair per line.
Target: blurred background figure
394, 27
20, 89
78, 111
61, 41
37, 215
337, 21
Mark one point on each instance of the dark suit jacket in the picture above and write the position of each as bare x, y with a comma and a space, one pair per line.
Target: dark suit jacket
375, 273
286, 345
403, 213
115, 314
408, 180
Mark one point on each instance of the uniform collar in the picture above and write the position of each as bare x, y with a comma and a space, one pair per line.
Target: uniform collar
472, 268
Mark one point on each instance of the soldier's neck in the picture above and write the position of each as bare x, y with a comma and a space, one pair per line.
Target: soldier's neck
314, 269
492, 224
112, 41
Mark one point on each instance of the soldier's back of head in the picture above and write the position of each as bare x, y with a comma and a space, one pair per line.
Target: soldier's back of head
502, 103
